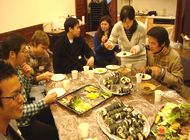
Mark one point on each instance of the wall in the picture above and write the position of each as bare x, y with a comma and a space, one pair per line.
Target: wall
163, 7
16, 14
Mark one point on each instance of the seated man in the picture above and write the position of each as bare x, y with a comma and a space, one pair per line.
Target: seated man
32, 123
71, 51
38, 57
164, 63
11, 102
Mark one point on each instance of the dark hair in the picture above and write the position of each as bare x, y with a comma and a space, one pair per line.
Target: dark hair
70, 23
6, 71
39, 37
127, 11
160, 34
100, 32
11, 43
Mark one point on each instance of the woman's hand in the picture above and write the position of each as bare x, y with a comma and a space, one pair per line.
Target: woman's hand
133, 51
104, 38
108, 45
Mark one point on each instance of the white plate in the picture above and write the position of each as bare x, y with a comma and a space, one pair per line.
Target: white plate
60, 91
123, 54
112, 67
146, 76
100, 70
58, 77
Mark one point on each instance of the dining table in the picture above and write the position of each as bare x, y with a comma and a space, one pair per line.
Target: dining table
67, 121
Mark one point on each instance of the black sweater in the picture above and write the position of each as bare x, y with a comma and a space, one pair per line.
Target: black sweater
70, 56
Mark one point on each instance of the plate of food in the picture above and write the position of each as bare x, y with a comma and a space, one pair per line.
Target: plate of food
59, 91
116, 83
58, 77
100, 70
123, 54
121, 121
175, 119
112, 67
144, 76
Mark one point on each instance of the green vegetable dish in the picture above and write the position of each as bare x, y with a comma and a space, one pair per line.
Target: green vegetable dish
176, 120
84, 99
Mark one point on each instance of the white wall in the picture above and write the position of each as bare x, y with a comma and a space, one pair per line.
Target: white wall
16, 14
168, 7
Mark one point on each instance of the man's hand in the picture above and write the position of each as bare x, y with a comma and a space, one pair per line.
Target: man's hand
26, 70
50, 98
44, 76
155, 71
90, 62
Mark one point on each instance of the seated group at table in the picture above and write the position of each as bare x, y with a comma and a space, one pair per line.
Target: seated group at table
71, 52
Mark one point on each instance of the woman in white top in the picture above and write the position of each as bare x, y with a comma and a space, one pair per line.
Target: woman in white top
130, 35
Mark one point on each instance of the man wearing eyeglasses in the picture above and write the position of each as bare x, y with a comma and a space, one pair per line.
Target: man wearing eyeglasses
11, 102
37, 121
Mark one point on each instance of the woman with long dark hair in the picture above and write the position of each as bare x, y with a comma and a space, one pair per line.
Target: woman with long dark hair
104, 56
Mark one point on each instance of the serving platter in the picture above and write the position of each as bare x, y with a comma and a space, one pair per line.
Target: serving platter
121, 121
84, 99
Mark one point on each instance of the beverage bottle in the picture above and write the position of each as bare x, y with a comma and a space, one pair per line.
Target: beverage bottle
161, 133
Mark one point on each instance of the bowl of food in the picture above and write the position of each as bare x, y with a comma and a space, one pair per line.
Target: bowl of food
147, 88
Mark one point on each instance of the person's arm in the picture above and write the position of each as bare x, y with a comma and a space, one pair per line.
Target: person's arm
174, 77
142, 40
98, 46
33, 108
57, 50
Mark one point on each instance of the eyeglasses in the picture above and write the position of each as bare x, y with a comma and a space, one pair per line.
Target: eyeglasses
15, 96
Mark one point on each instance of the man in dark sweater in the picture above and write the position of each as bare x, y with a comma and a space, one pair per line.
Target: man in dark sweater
71, 52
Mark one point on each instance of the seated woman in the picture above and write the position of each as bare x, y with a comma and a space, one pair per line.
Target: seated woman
104, 56
164, 63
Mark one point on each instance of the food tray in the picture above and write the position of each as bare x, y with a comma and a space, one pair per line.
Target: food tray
118, 126
116, 83
84, 99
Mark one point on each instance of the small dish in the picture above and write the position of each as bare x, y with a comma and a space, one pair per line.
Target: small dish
123, 54
144, 76
112, 67
147, 88
58, 77
60, 91
100, 70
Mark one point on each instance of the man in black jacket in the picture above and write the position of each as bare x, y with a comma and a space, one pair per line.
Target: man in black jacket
71, 51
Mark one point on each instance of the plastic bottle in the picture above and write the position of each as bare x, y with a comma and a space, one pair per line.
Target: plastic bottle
161, 133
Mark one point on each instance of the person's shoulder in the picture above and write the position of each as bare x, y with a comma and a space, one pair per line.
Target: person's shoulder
141, 26
174, 52
118, 24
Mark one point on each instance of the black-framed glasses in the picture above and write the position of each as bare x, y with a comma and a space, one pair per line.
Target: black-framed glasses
15, 96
